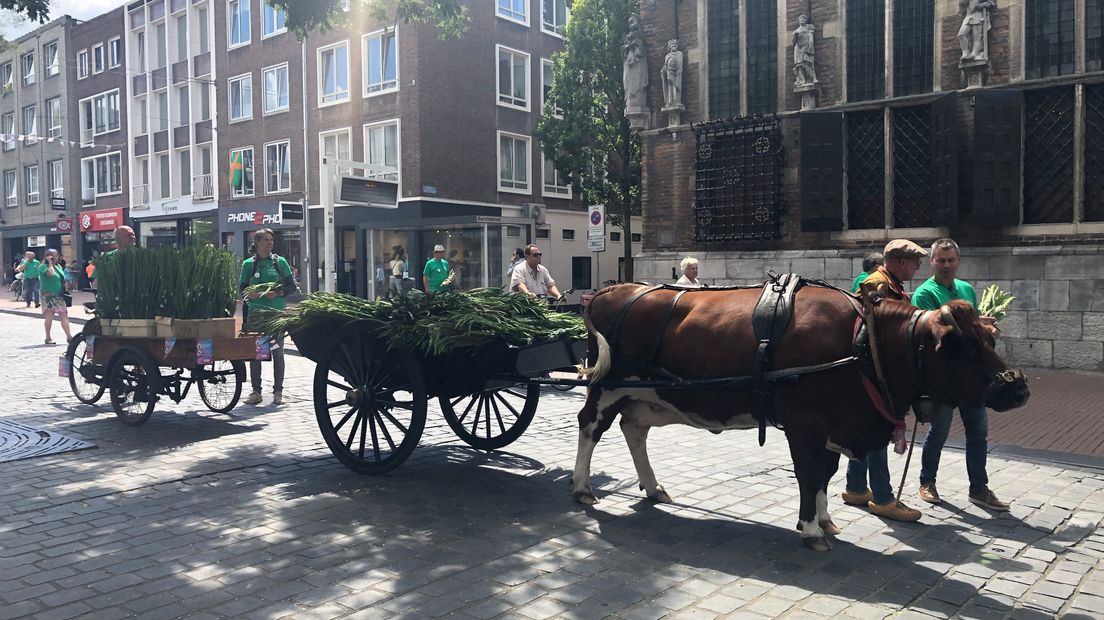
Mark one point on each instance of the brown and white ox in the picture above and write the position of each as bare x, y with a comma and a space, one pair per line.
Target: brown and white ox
710, 335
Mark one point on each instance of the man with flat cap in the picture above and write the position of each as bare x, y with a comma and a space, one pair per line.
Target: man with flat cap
902, 260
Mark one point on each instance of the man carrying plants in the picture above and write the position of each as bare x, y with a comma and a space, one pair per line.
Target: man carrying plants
266, 279
436, 271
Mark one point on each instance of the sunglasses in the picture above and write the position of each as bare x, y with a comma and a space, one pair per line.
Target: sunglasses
537, 254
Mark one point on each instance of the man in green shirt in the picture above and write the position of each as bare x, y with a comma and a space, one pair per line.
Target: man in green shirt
871, 262
31, 269
436, 271
264, 267
936, 291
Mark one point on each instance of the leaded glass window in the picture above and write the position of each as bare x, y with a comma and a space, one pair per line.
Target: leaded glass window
866, 169
724, 59
762, 55
1050, 37
865, 50
912, 46
1094, 35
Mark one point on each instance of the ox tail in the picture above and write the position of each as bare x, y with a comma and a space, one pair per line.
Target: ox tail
603, 363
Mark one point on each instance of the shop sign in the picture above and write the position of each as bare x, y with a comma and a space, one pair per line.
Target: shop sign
488, 219
256, 218
105, 219
36, 242
64, 224
291, 213
58, 204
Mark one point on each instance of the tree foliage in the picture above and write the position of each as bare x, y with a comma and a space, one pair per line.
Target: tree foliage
591, 142
306, 16
37, 10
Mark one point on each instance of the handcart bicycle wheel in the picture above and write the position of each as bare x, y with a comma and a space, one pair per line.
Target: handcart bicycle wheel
85, 378
134, 380
493, 418
370, 402
220, 384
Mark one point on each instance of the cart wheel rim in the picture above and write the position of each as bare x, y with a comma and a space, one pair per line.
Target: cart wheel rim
369, 409
493, 418
85, 378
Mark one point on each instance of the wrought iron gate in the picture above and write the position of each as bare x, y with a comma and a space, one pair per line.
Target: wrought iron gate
1048, 156
737, 197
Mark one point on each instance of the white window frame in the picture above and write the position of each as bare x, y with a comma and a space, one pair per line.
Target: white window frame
499, 49
265, 9
84, 64
381, 86
114, 52
528, 189
230, 97
545, 185
287, 85
322, 135
53, 131
8, 85
50, 69
28, 77
97, 190
333, 47
34, 197
234, 191
98, 51
557, 112
29, 131
55, 180
8, 145
230, 22
398, 145
11, 191
91, 117
553, 31
278, 190
510, 17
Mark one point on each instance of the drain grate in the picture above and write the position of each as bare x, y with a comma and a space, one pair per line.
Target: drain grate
23, 442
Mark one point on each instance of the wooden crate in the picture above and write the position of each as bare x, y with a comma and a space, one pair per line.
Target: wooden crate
204, 329
182, 354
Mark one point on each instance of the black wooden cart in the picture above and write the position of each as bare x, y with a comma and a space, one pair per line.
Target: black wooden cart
370, 400
129, 369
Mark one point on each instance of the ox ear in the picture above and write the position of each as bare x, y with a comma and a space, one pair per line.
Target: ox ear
943, 324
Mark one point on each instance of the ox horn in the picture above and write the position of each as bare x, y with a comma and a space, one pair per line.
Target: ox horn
949, 320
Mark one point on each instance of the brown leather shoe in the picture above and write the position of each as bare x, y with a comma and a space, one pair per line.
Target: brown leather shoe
929, 494
852, 498
896, 511
987, 499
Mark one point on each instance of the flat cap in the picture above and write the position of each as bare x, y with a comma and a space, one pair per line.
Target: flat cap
903, 248
438, 248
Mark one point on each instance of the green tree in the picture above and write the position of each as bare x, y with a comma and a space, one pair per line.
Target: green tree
305, 16
37, 10
591, 141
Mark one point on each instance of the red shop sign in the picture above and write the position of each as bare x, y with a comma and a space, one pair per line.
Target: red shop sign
105, 219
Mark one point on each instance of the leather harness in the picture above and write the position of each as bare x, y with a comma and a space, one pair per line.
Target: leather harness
771, 316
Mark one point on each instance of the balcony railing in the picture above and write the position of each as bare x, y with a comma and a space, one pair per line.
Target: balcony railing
203, 187
139, 195
87, 137
88, 195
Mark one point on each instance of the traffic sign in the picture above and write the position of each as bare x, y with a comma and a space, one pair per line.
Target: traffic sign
596, 229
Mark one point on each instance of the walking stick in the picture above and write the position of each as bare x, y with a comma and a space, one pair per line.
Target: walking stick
904, 474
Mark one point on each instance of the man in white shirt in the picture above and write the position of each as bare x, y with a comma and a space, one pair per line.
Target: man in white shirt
531, 277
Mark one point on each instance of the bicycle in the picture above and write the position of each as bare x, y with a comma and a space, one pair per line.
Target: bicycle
17, 288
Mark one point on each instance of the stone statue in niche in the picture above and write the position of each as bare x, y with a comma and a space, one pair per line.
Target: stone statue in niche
671, 76
973, 36
635, 70
804, 54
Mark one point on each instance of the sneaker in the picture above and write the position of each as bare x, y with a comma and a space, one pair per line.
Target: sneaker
277, 398
896, 511
987, 499
929, 494
852, 498
253, 399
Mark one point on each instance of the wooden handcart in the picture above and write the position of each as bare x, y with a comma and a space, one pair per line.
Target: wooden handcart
370, 400
130, 371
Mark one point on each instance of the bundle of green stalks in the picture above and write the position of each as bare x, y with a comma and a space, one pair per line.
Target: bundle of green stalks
196, 282
431, 325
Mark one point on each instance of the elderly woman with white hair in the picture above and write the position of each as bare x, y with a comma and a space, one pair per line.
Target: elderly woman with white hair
689, 266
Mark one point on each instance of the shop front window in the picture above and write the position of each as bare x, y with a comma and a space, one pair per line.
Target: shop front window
201, 231
463, 251
158, 234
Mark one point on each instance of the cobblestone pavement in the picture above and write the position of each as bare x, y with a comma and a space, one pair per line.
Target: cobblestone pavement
249, 516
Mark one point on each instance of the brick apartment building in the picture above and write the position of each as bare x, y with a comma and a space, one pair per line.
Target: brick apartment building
900, 138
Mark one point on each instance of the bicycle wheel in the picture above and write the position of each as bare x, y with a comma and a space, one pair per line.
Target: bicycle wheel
220, 384
85, 378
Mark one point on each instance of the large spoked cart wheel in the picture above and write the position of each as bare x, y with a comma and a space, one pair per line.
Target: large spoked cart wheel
220, 384
134, 380
494, 417
86, 378
370, 401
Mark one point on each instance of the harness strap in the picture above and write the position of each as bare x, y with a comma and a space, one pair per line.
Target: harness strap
615, 329
663, 328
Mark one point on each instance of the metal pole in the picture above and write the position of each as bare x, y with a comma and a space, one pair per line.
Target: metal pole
326, 186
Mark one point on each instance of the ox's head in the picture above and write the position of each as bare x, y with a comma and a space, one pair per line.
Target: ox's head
963, 366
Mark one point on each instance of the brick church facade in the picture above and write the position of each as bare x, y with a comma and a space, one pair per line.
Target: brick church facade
899, 138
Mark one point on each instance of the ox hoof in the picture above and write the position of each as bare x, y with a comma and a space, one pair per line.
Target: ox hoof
661, 497
830, 528
817, 544
585, 497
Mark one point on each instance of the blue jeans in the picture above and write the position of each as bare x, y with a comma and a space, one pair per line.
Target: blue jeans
30, 290
877, 462
976, 423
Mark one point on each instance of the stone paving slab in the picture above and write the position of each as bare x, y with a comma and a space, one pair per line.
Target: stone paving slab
248, 515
